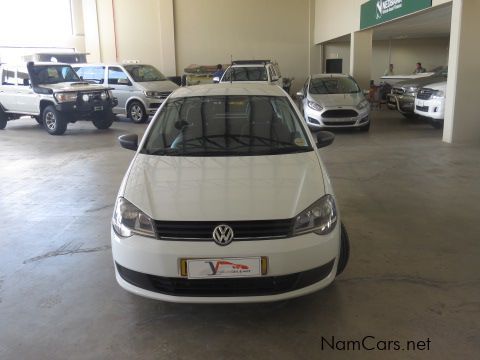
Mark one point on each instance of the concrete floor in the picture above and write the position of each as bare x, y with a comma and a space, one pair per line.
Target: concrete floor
410, 202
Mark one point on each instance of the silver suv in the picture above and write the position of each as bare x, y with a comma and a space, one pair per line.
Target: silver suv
253, 71
54, 95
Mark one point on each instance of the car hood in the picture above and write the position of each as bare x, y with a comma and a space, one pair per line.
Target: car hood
165, 85
224, 188
73, 86
420, 82
333, 100
438, 86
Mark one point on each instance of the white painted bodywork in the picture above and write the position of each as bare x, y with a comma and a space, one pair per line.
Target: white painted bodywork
436, 105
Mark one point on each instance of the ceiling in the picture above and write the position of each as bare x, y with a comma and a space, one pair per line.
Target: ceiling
433, 22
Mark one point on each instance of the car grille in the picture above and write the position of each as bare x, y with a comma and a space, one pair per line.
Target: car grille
425, 94
339, 123
164, 94
93, 96
422, 108
398, 91
243, 230
249, 286
341, 113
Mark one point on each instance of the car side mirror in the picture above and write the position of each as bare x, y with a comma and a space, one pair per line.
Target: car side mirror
123, 82
300, 94
324, 138
129, 141
216, 80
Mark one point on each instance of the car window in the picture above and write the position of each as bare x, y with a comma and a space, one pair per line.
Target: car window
53, 74
115, 74
22, 77
272, 73
333, 85
248, 73
226, 126
8, 75
92, 73
143, 73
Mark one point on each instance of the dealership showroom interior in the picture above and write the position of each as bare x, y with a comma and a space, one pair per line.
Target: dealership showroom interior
239, 179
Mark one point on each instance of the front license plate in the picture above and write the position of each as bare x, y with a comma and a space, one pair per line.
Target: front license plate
98, 108
224, 268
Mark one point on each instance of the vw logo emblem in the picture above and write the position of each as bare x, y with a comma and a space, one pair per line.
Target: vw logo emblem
222, 235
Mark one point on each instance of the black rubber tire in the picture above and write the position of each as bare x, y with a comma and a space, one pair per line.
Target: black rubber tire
136, 112
411, 116
365, 128
38, 119
53, 121
437, 124
103, 120
3, 119
344, 250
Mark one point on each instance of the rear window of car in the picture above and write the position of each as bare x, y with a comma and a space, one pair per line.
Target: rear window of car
247, 73
226, 126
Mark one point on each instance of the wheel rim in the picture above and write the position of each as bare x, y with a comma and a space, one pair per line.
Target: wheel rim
136, 112
50, 120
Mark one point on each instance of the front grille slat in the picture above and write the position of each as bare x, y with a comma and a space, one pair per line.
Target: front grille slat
242, 229
340, 113
398, 91
425, 94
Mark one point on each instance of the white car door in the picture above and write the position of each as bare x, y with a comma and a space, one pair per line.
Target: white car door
8, 88
27, 101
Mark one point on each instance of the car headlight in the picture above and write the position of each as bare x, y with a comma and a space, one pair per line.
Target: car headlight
62, 97
412, 90
319, 218
362, 104
128, 220
438, 94
104, 95
152, 94
313, 105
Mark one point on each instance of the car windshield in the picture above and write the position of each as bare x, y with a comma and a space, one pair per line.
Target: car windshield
53, 74
248, 73
226, 126
143, 73
333, 85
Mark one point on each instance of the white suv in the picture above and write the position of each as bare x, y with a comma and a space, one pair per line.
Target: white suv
227, 200
253, 71
430, 103
54, 95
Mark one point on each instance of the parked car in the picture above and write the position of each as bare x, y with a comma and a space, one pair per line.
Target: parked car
334, 101
227, 200
139, 88
402, 96
54, 95
253, 71
430, 103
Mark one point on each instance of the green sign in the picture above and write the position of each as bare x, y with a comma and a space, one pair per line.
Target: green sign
375, 12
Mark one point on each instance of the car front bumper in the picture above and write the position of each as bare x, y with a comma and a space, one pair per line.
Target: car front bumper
317, 118
296, 266
403, 103
432, 108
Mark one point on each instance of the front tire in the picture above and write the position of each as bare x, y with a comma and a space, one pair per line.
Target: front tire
344, 250
53, 121
365, 128
103, 120
137, 113
3, 120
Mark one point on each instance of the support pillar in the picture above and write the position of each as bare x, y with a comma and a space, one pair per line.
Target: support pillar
361, 57
462, 122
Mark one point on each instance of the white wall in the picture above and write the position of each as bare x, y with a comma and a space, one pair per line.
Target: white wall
209, 31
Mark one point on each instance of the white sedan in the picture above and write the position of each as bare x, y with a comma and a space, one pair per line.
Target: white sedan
227, 200
334, 101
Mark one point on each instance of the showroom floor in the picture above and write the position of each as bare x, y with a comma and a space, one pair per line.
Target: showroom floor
409, 201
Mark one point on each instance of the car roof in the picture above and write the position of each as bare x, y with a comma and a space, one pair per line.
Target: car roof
250, 65
227, 88
322, 76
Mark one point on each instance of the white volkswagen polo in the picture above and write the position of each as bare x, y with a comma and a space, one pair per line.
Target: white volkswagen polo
227, 200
